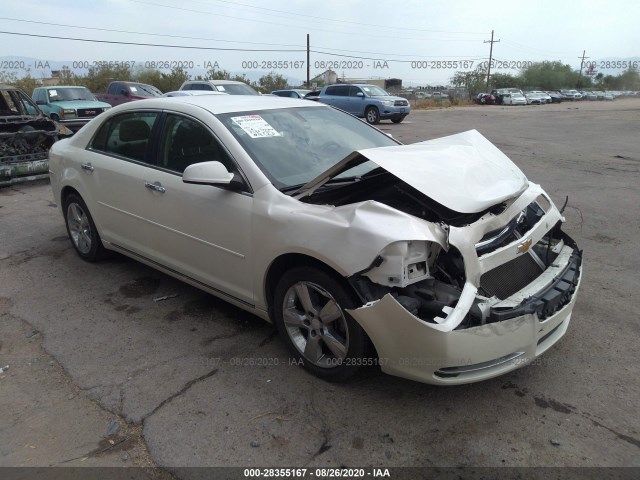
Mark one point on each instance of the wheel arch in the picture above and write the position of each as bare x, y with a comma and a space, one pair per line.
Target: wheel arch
290, 260
66, 191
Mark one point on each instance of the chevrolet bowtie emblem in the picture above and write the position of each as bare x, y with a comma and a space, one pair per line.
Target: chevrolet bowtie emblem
524, 246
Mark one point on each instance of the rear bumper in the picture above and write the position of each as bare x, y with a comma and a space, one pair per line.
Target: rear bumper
74, 124
24, 168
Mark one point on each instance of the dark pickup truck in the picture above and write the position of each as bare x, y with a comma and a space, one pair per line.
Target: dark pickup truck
122, 92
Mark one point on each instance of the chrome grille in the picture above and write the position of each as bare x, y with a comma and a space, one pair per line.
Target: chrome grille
89, 112
507, 279
401, 103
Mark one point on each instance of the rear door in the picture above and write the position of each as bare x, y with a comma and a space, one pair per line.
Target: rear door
115, 172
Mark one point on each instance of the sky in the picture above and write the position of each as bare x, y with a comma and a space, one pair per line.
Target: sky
421, 42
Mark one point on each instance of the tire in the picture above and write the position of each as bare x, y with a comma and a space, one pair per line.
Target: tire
372, 115
332, 348
397, 120
55, 117
81, 229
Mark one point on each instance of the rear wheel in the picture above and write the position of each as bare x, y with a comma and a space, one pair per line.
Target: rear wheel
372, 115
309, 311
81, 229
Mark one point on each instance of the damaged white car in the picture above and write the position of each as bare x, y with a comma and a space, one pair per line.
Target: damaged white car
439, 261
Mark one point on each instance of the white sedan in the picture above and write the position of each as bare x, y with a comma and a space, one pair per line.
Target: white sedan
514, 98
439, 261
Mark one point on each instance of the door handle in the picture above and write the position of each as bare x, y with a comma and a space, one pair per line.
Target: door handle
157, 186
87, 166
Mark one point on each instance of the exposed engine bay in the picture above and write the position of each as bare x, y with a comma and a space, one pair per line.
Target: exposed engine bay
427, 278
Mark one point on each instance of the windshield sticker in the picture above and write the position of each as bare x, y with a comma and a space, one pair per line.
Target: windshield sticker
255, 126
133, 89
53, 93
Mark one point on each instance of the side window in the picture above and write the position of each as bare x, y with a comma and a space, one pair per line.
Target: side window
185, 142
7, 103
353, 91
331, 91
188, 86
206, 86
126, 135
27, 104
113, 88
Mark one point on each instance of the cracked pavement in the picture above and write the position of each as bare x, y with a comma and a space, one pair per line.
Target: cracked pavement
194, 381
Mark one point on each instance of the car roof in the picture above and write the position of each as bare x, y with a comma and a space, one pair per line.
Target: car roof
58, 87
217, 82
217, 104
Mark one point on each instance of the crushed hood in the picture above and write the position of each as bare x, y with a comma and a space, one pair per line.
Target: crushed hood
464, 172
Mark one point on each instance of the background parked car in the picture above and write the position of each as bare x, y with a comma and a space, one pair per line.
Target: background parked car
315, 96
231, 87
366, 101
571, 95
439, 96
484, 99
534, 98
119, 92
556, 97
72, 106
26, 134
514, 98
292, 93
190, 93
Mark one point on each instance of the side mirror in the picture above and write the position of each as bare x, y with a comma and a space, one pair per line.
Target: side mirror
210, 173
360, 94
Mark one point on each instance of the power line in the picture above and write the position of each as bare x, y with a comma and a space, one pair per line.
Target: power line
146, 33
150, 44
382, 59
189, 47
359, 34
99, 29
314, 17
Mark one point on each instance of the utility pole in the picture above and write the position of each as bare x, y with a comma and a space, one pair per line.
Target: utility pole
308, 64
492, 41
582, 59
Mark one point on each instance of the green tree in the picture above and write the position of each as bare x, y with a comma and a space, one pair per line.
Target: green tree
213, 74
549, 76
504, 80
26, 83
474, 81
272, 81
149, 76
99, 77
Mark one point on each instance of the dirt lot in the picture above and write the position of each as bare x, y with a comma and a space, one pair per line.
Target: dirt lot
101, 374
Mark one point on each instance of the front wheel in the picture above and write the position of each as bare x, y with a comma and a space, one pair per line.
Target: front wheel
81, 229
372, 115
309, 313
397, 119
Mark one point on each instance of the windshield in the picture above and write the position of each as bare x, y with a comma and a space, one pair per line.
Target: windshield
374, 91
236, 89
294, 145
142, 90
66, 94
